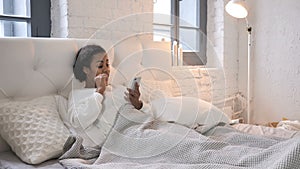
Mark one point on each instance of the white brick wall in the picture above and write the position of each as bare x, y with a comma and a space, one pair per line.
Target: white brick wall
59, 18
81, 19
222, 51
208, 84
215, 33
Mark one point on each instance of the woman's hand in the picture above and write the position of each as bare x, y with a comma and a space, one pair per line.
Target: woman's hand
101, 81
134, 96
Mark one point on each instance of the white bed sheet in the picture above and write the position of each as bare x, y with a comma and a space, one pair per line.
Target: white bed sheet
266, 131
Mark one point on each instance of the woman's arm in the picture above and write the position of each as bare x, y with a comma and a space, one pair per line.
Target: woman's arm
85, 106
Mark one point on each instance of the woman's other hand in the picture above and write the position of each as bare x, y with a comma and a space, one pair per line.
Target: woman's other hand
101, 81
133, 96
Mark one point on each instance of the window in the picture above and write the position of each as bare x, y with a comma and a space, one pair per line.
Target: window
25, 18
183, 21
15, 18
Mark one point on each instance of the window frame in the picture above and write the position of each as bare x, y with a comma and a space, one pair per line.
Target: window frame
37, 19
40, 18
19, 18
189, 57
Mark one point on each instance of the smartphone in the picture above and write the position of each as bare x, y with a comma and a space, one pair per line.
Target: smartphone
135, 80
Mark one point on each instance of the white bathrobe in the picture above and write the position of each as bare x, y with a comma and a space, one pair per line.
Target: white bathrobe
92, 115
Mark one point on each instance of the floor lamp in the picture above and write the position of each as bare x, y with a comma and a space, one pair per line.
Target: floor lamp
237, 9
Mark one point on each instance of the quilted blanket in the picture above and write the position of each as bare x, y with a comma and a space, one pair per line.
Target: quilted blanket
138, 141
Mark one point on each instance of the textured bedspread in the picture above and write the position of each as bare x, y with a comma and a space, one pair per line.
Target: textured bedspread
136, 141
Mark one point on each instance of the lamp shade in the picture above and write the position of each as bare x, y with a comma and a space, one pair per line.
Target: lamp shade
236, 8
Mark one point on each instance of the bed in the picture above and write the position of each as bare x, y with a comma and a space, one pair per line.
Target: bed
187, 132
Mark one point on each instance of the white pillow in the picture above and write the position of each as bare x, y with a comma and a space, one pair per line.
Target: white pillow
33, 129
187, 111
154, 89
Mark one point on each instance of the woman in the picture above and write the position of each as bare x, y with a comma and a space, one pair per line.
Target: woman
92, 110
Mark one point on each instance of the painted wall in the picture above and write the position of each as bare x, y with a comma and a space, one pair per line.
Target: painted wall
275, 59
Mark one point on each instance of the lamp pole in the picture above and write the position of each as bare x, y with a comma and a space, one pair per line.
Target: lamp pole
249, 29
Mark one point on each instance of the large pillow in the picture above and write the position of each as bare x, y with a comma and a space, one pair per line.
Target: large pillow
188, 111
155, 89
33, 129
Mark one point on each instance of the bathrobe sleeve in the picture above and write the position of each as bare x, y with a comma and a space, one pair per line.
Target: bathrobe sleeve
84, 107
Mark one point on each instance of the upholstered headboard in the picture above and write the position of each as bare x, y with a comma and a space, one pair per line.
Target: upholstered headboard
31, 67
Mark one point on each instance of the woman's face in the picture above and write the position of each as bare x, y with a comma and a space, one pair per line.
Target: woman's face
99, 65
